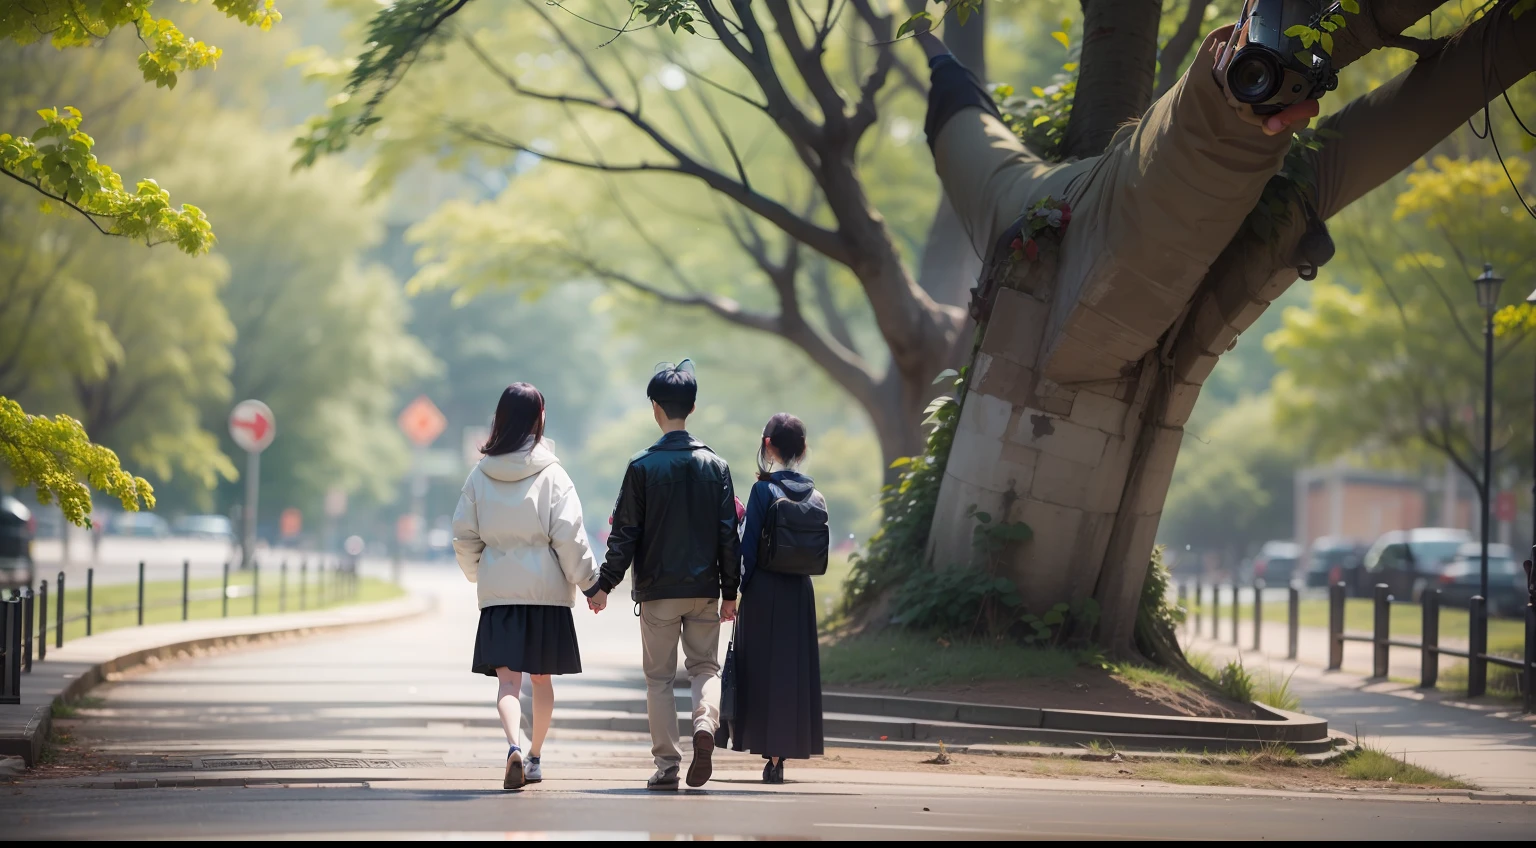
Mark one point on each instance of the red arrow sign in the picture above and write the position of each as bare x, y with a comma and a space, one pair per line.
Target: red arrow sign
252, 426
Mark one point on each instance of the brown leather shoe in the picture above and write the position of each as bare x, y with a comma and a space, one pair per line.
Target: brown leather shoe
701, 767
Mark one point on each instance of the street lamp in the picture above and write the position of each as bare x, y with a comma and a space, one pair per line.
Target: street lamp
1488, 284
1531, 299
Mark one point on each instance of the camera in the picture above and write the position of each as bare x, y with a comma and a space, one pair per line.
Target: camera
1269, 70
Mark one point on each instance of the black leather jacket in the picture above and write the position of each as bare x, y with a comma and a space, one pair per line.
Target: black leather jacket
676, 521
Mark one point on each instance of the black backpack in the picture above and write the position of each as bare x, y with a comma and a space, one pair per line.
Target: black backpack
796, 539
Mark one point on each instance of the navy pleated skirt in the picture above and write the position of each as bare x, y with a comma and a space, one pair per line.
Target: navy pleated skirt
778, 668
529, 638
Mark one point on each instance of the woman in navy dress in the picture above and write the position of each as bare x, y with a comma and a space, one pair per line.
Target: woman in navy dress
778, 665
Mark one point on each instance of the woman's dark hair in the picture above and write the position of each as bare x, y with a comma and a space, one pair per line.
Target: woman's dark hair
519, 415
787, 435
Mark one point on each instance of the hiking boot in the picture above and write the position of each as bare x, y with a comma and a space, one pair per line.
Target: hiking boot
514, 778
701, 768
663, 781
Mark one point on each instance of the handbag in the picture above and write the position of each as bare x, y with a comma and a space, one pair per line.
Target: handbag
727, 694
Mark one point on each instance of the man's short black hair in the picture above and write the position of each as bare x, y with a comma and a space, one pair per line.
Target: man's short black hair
674, 391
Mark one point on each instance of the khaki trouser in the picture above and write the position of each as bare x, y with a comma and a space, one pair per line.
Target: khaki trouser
697, 622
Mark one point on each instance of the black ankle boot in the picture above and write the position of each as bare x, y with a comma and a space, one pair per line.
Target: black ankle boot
768, 771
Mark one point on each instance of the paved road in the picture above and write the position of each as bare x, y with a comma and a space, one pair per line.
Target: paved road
391, 715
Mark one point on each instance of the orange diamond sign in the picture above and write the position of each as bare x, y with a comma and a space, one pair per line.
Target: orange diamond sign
422, 422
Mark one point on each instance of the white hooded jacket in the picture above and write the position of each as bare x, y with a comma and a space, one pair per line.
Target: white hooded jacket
518, 532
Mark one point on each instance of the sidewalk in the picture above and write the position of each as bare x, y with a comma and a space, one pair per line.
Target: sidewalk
82, 663
1490, 744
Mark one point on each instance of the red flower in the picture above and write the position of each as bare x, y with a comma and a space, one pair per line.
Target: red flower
1031, 250
1066, 214
1016, 244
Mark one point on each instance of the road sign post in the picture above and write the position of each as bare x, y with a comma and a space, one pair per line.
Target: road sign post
253, 428
421, 422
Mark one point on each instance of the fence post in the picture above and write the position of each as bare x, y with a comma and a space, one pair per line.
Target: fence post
1292, 622
255, 586
10, 639
1237, 609
1336, 626
1183, 602
141, 593
42, 620
1381, 630
224, 596
90, 600
186, 588
1215, 611
27, 603
320, 590
1258, 613
282, 587
303, 585
1429, 663
1198, 599
1528, 674
1477, 662
58, 641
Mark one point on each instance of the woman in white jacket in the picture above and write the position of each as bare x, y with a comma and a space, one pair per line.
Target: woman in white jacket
519, 537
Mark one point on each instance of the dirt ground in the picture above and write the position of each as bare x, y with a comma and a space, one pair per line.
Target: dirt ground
1086, 688
1257, 771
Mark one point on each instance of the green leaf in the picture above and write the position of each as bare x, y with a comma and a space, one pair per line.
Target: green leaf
1327, 41
901, 461
1350, 6
1061, 38
1043, 119
1298, 31
909, 25
946, 374
983, 517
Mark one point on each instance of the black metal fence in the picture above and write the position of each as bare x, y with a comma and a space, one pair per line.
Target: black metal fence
1380, 638
25, 612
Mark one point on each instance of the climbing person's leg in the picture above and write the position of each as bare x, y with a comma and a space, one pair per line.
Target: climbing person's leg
987, 173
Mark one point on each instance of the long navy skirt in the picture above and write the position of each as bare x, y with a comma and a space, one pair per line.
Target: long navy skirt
528, 638
778, 667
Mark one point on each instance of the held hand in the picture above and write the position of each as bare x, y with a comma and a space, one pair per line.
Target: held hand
1295, 116
597, 602
727, 610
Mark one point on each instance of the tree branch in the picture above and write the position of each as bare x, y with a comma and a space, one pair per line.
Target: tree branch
817, 238
1171, 58
86, 213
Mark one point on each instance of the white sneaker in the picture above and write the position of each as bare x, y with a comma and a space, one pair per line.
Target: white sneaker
531, 771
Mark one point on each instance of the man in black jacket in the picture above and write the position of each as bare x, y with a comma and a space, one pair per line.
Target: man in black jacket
676, 521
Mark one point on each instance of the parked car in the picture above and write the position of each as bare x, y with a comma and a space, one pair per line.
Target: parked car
1276, 563
214, 527
1463, 578
1336, 560
1408, 561
17, 528
141, 524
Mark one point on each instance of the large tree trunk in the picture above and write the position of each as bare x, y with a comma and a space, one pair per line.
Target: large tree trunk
1118, 58
1092, 358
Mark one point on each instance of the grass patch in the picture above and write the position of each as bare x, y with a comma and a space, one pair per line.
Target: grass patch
920, 661
72, 707
1264, 686
1407, 620
1147, 677
1376, 765
115, 605
1502, 682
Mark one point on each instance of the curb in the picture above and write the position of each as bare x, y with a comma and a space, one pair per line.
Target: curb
28, 745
